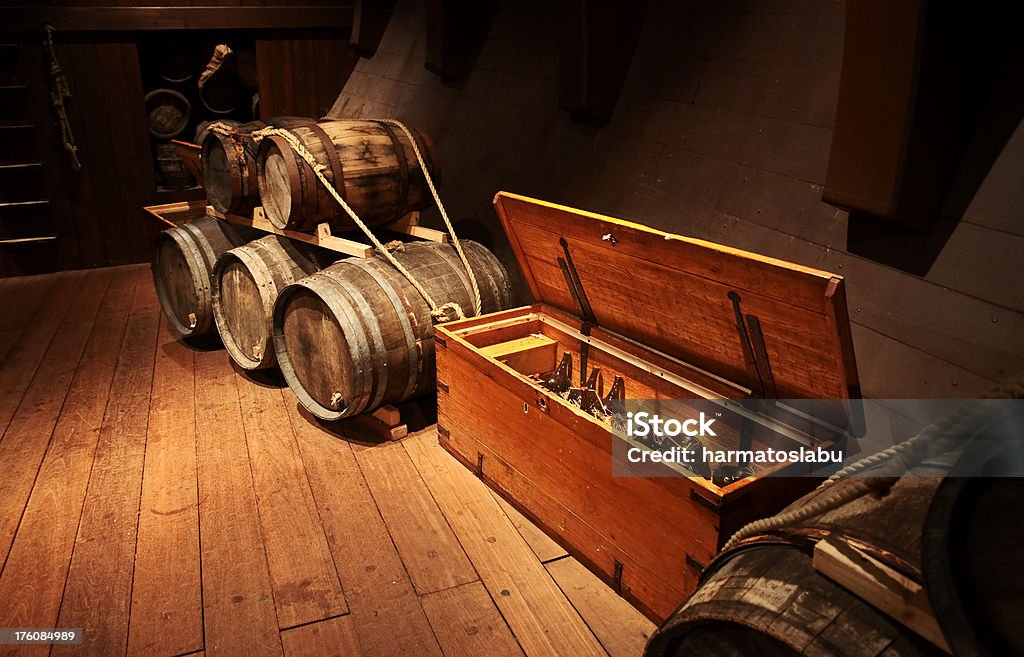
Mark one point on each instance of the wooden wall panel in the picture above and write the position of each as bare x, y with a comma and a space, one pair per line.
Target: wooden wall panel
96, 212
722, 132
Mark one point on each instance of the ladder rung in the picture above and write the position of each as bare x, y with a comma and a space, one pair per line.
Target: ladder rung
17, 126
13, 88
23, 204
29, 240
21, 166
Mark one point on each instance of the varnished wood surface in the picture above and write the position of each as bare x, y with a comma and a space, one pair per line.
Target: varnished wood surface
168, 505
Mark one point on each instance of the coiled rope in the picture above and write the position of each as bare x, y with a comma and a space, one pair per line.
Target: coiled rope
445, 312
952, 425
59, 90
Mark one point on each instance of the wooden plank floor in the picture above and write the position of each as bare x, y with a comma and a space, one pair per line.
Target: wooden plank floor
169, 506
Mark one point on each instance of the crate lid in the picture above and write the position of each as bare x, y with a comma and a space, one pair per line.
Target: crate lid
680, 296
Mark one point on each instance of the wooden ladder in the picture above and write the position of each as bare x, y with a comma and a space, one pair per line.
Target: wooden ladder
24, 209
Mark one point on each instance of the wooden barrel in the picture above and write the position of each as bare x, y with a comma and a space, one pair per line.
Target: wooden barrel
229, 168
168, 112
246, 282
358, 335
372, 165
765, 597
183, 260
171, 169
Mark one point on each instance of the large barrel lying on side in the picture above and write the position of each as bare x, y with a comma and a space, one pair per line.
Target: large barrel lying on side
372, 165
183, 260
246, 282
229, 165
358, 335
765, 597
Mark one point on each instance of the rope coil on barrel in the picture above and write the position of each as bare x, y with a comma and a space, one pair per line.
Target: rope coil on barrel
445, 312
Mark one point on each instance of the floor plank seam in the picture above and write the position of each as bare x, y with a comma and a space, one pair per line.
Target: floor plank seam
199, 500
315, 621
142, 478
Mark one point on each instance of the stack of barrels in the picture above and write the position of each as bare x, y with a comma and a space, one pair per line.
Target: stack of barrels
348, 335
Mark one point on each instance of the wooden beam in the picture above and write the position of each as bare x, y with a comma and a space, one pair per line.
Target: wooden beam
73, 19
895, 595
369, 20
456, 30
929, 94
597, 43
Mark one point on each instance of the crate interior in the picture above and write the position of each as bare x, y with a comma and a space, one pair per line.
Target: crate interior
535, 342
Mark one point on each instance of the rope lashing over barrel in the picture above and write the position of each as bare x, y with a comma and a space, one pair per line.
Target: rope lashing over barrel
953, 424
445, 312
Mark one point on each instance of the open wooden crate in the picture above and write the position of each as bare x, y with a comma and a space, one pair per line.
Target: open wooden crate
677, 319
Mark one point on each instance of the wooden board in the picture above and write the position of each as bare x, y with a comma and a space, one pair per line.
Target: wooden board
334, 637
28, 435
385, 610
237, 589
671, 293
98, 590
540, 617
306, 585
542, 545
37, 564
621, 629
420, 532
167, 609
468, 624
323, 237
24, 357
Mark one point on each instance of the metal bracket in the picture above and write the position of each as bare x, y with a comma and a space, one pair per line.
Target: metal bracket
480, 465
579, 297
617, 577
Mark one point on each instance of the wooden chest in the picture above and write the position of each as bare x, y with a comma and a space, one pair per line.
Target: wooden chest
675, 318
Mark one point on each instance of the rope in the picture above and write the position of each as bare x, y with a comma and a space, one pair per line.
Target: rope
59, 90
446, 312
952, 425
440, 206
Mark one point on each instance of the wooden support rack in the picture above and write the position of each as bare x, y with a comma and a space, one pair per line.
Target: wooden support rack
323, 237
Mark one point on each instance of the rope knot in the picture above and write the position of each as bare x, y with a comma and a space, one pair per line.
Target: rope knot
448, 312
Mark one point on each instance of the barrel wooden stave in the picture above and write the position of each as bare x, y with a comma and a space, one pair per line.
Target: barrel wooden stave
229, 167
372, 165
183, 261
358, 335
246, 282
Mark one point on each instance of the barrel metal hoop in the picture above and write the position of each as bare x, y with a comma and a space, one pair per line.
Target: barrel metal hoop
403, 169
369, 319
335, 170
296, 178
375, 270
